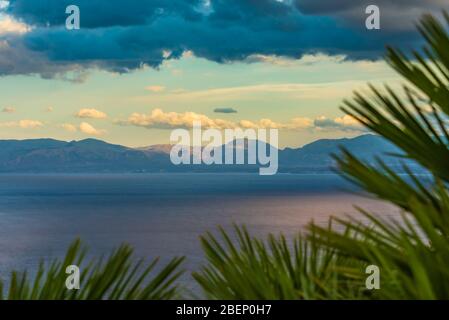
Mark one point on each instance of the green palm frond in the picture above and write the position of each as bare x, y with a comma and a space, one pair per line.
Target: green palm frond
420, 131
248, 268
119, 277
412, 250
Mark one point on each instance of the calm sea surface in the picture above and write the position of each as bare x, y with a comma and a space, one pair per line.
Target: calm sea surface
159, 214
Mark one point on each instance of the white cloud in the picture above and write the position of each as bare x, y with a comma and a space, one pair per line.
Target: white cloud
159, 119
300, 122
10, 26
24, 124
9, 124
4, 4
155, 88
344, 123
90, 130
270, 59
311, 59
305, 60
68, 127
91, 113
30, 124
293, 124
347, 120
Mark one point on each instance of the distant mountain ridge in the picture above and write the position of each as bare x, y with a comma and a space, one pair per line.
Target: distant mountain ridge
366, 147
96, 156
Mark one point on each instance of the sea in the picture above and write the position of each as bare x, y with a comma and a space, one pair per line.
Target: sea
161, 215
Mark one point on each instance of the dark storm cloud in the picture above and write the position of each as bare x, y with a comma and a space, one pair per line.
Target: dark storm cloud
332, 6
396, 14
102, 13
122, 36
249, 10
225, 110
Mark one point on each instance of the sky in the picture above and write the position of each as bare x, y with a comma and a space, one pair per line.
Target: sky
137, 69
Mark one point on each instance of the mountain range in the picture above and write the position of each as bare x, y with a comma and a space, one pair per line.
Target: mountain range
96, 156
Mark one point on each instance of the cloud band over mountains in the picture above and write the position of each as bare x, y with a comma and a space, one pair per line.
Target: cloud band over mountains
158, 119
123, 36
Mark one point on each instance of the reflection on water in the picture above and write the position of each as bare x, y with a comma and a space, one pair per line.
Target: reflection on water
159, 214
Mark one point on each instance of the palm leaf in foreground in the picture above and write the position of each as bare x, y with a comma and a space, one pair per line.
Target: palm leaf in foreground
250, 269
413, 250
119, 277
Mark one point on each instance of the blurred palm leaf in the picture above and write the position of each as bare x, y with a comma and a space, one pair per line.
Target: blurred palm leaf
116, 278
248, 268
412, 251
421, 131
